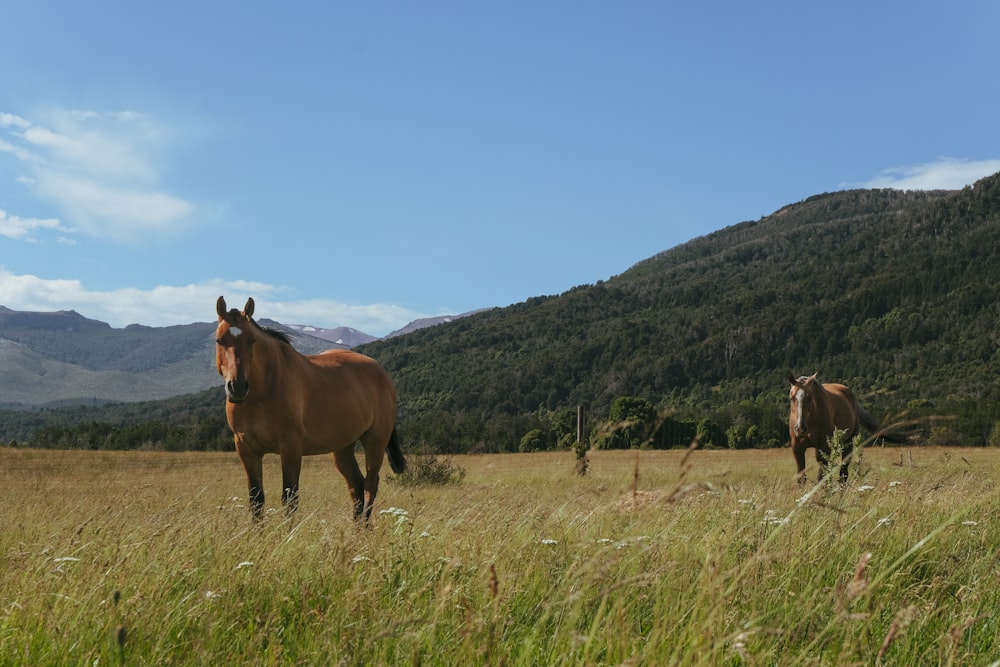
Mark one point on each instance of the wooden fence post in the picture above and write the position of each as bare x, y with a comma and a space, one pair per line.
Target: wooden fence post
582, 462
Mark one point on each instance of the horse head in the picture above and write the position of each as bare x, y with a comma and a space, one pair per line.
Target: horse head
234, 339
801, 398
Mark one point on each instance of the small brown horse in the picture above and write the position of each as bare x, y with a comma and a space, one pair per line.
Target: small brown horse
816, 411
279, 401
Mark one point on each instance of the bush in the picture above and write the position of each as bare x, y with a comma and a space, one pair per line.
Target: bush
536, 440
429, 468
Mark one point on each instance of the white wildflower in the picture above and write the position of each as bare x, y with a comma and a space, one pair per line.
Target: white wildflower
771, 518
865, 487
402, 516
970, 523
547, 541
245, 564
892, 484
884, 521
395, 511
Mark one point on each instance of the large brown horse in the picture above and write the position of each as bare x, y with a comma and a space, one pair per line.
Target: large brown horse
279, 401
816, 411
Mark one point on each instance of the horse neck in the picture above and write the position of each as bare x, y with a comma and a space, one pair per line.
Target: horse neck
822, 404
272, 358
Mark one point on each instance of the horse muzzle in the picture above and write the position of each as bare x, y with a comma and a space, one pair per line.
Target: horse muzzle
237, 390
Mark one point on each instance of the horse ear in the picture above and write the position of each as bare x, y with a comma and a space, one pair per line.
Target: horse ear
220, 307
791, 378
812, 378
248, 309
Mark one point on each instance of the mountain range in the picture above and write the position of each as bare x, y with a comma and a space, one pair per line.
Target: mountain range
896, 294
52, 358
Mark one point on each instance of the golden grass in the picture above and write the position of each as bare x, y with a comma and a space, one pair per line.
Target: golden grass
710, 557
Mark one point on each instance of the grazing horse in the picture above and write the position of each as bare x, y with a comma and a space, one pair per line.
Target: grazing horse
816, 411
279, 401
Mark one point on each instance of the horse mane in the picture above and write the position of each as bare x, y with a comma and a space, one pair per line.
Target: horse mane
273, 333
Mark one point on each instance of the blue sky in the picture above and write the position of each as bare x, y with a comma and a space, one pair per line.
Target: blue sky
367, 164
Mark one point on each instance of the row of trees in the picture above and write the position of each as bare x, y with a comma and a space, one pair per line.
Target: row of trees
153, 435
632, 422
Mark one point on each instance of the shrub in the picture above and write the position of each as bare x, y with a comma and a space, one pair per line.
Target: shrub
536, 440
428, 468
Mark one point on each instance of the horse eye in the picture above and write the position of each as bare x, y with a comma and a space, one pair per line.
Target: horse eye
218, 341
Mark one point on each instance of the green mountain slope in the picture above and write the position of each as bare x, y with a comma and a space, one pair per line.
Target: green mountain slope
893, 293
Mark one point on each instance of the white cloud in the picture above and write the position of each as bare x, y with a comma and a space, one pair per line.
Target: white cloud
102, 170
117, 211
944, 174
26, 229
10, 120
167, 305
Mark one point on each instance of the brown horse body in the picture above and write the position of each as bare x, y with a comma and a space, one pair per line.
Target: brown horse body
282, 402
816, 411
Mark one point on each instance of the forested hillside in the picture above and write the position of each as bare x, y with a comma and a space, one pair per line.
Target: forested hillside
892, 293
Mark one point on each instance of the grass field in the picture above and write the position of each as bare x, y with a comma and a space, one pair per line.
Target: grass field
652, 558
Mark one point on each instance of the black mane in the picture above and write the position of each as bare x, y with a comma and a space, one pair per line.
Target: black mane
275, 333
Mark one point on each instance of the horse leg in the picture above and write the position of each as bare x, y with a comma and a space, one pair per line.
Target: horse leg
347, 464
253, 464
800, 463
823, 459
845, 460
373, 464
291, 467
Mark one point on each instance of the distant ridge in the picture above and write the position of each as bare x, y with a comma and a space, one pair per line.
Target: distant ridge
64, 358
426, 322
346, 337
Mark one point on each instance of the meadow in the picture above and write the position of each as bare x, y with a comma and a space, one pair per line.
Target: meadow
652, 558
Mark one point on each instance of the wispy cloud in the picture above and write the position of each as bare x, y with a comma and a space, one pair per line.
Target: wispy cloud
102, 170
168, 305
27, 229
943, 174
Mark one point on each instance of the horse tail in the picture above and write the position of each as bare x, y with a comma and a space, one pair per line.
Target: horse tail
396, 460
870, 423
873, 426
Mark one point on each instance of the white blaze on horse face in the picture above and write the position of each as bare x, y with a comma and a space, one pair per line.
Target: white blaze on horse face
800, 396
236, 331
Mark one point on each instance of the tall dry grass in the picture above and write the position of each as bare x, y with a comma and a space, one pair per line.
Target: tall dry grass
688, 558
